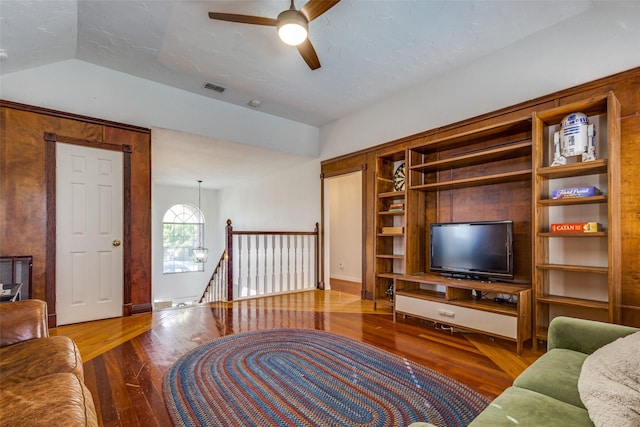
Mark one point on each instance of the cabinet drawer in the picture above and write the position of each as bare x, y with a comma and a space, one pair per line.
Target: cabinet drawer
479, 320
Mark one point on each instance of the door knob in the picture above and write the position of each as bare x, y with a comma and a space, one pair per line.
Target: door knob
116, 242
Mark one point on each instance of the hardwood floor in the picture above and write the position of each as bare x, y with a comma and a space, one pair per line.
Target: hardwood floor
125, 358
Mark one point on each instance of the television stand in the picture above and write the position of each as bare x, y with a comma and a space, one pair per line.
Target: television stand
450, 301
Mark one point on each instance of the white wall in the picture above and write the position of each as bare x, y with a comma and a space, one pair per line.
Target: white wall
600, 42
184, 287
345, 227
286, 200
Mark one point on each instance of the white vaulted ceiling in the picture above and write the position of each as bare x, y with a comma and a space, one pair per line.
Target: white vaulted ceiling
368, 49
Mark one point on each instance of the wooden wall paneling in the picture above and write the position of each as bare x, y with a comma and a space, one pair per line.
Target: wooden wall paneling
630, 213
627, 91
22, 195
23, 191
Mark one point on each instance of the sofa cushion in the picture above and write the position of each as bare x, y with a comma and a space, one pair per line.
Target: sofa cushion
23, 320
518, 406
555, 374
53, 400
609, 383
31, 359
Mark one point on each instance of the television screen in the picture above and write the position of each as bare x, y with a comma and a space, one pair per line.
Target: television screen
473, 250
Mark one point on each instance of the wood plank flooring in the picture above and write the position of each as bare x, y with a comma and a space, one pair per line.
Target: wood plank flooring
125, 358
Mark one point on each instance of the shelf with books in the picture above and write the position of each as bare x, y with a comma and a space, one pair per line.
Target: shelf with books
390, 225
577, 271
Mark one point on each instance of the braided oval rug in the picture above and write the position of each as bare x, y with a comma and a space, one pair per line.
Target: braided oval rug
304, 377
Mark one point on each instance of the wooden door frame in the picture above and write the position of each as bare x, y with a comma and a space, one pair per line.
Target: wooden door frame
50, 140
362, 168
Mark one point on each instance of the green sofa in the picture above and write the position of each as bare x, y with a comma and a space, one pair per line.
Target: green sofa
546, 394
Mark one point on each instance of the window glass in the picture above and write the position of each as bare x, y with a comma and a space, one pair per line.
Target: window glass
183, 228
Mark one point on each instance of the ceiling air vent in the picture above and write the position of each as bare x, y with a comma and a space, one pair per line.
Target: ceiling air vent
213, 86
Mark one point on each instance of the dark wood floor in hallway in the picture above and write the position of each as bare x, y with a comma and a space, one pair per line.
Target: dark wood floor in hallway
125, 358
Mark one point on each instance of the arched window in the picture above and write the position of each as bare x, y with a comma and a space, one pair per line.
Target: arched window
182, 230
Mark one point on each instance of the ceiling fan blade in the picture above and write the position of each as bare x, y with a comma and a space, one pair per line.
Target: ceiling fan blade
309, 54
243, 19
315, 8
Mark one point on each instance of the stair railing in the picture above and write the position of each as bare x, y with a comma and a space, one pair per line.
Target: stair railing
261, 263
216, 290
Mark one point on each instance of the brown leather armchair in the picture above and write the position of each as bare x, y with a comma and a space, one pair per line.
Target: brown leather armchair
41, 377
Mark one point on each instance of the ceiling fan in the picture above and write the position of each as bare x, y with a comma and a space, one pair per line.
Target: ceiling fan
292, 25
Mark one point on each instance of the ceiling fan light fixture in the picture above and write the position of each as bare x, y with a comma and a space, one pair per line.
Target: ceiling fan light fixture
292, 27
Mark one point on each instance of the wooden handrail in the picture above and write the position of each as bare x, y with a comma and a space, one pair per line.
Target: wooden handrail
212, 279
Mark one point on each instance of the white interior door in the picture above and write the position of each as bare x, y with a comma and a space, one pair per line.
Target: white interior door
89, 224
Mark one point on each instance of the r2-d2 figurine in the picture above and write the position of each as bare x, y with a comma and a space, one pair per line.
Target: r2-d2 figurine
576, 137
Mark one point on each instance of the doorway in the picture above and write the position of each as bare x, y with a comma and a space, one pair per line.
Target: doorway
343, 244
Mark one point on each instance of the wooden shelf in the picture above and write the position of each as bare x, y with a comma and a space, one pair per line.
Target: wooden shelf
522, 175
423, 294
390, 234
590, 106
497, 287
499, 153
391, 195
551, 235
573, 268
511, 127
380, 178
393, 213
573, 302
594, 167
573, 201
387, 275
391, 256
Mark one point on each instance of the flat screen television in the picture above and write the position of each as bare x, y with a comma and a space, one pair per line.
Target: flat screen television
480, 250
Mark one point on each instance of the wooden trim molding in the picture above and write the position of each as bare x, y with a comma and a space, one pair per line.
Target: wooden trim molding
126, 250
363, 213
71, 116
140, 308
51, 139
362, 167
50, 261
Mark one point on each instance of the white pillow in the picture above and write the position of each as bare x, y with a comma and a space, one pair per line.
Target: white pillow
609, 383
